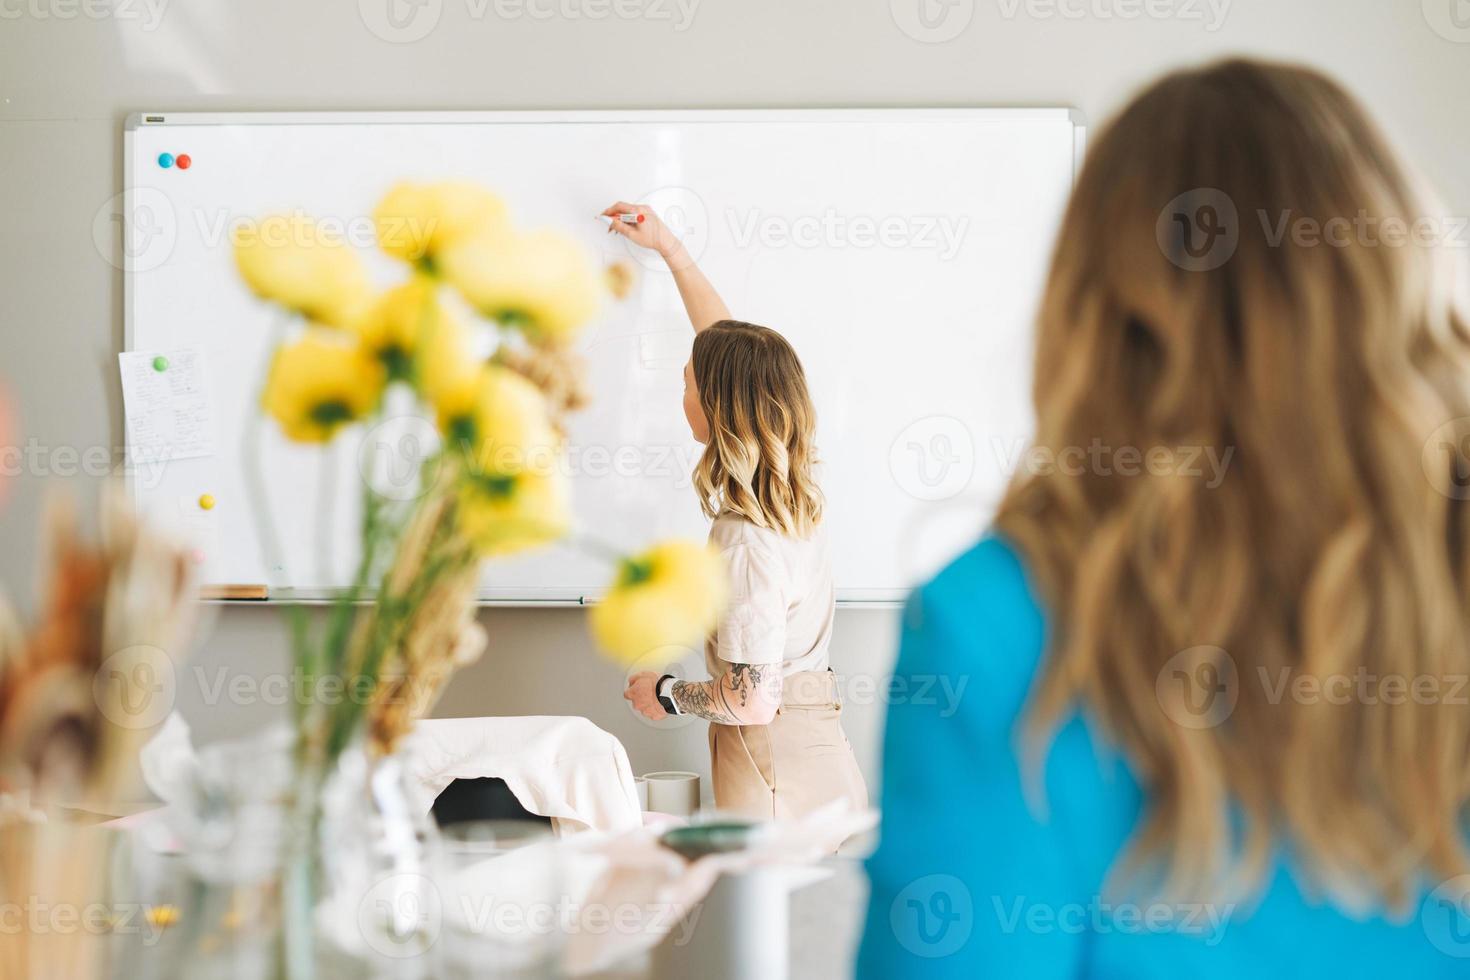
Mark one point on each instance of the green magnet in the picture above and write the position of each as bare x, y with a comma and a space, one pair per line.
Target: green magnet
160, 363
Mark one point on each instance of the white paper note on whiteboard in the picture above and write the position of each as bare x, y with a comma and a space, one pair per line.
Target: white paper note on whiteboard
166, 403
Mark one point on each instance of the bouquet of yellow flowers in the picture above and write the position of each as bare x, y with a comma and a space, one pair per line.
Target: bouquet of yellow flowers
493, 486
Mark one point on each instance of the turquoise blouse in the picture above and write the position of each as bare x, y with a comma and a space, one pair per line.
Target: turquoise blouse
971, 881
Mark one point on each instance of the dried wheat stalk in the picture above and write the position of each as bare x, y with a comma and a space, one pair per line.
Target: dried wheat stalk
434, 575
113, 615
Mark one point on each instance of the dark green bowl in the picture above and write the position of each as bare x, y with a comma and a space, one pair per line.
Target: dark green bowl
715, 837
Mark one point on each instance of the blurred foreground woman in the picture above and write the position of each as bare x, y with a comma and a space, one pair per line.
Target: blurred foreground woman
1217, 721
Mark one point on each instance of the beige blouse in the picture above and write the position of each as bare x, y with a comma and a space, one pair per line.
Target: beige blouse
781, 599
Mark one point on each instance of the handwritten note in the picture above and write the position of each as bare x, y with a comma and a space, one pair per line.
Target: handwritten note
166, 402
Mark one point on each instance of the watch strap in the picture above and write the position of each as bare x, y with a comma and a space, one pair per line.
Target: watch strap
664, 691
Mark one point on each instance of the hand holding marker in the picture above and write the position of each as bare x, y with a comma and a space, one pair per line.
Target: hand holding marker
641, 225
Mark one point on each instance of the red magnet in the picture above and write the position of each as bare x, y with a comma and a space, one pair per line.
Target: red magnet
182, 161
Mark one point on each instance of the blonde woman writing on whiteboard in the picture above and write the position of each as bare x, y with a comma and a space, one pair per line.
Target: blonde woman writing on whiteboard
776, 743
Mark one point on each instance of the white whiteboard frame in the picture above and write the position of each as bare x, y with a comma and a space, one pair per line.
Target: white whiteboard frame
847, 598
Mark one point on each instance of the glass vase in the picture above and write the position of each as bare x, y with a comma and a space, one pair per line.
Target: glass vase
382, 912
223, 883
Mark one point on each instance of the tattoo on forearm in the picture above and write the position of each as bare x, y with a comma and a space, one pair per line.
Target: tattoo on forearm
712, 700
704, 699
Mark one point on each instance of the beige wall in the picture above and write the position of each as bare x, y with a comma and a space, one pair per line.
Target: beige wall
71, 69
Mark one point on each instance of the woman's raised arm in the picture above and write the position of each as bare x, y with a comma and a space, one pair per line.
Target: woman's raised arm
701, 302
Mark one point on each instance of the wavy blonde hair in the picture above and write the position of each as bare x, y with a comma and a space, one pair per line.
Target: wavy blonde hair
1338, 538
759, 457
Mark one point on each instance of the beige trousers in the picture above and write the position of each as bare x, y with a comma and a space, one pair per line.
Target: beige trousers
798, 762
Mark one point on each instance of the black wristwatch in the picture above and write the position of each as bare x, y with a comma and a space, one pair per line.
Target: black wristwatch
663, 690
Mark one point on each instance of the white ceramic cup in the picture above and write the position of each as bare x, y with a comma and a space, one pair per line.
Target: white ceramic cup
673, 792
640, 784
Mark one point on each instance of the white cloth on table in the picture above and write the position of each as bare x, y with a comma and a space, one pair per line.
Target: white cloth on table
565, 768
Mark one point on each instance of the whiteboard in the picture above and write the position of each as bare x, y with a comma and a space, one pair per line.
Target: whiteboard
901, 251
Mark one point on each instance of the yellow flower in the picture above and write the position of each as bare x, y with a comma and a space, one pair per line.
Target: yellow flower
319, 383
512, 495
287, 259
417, 222
506, 512
499, 421
445, 362
162, 916
540, 283
671, 594
414, 336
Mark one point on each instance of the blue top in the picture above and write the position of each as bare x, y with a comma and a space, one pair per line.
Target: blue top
969, 882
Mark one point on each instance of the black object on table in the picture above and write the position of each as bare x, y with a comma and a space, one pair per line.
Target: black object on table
481, 798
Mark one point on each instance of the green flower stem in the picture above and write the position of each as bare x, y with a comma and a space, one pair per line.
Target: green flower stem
393, 617
267, 537
388, 616
326, 491
427, 323
337, 725
374, 534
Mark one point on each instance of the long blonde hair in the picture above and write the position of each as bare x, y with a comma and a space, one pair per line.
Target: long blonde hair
759, 457
1330, 371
